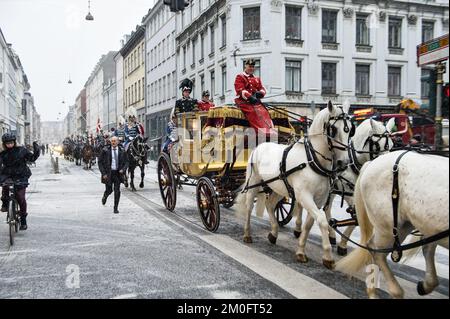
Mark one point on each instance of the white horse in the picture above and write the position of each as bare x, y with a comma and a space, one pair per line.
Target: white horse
369, 132
329, 131
423, 205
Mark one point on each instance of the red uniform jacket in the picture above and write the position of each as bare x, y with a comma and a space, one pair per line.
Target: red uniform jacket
246, 85
205, 106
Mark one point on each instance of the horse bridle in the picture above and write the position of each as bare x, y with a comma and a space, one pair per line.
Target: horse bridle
374, 146
354, 164
138, 153
331, 131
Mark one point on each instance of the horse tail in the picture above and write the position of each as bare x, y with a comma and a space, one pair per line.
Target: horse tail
359, 257
411, 253
244, 201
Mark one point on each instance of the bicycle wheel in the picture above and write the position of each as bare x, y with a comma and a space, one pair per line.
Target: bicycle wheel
11, 221
16, 216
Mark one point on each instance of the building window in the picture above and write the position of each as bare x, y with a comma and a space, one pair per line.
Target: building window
329, 26
252, 23
362, 31
139, 91
213, 39
224, 30
193, 52
427, 31
328, 78
395, 32
202, 83
257, 67
143, 88
202, 46
293, 23
293, 76
224, 80
362, 79
425, 83
394, 81
184, 58
213, 83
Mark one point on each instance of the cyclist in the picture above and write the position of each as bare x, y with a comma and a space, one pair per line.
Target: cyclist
13, 165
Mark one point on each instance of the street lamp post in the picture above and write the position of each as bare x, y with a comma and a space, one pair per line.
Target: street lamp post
89, 16
440, 70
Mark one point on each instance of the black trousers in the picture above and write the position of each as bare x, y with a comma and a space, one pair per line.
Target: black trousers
114, 184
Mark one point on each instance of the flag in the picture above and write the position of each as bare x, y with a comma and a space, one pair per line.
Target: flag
99, 125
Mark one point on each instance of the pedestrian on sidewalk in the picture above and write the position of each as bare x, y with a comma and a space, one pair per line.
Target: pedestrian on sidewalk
113, 163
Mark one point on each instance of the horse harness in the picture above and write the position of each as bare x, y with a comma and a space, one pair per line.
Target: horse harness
397, 249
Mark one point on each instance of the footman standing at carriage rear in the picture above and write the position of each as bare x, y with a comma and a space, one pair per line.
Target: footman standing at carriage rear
250, 91
113, 164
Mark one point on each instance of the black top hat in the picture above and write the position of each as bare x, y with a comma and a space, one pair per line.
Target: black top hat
205, 93
250, 62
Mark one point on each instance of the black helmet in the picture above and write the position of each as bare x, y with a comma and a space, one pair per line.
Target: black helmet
205, 93
8, 137
250, 61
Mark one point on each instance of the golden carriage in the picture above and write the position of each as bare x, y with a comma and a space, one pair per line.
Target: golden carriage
211, 154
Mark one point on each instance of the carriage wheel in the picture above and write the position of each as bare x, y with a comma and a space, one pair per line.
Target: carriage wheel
284, 211
167, 183
208, 204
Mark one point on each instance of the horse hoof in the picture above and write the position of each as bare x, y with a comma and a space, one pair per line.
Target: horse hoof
272, 238
329, 264
302, 258
297, 233
332, 241
141, 185
342, 251
248, 239
421, 289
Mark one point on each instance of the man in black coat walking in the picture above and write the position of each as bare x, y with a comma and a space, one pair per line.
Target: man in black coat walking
113, 163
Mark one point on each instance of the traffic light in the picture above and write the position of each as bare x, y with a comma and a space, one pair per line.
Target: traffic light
176, 5
445, 100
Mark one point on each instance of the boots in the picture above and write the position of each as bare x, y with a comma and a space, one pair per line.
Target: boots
104, 198
23, 222
116, 202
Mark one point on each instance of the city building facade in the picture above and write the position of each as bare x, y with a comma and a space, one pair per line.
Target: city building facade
309, 51
133, 53
160, 73
104, 71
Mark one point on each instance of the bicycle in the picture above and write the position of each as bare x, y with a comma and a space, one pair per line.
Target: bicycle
12, 216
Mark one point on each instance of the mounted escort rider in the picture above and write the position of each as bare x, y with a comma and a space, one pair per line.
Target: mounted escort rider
132, 130
120, 132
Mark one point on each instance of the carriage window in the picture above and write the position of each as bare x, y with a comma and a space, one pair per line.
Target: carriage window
189, 129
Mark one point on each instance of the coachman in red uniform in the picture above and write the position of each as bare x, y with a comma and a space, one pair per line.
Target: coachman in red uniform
250, 90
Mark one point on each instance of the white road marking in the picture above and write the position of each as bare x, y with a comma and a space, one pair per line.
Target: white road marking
295, 283
127, 296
